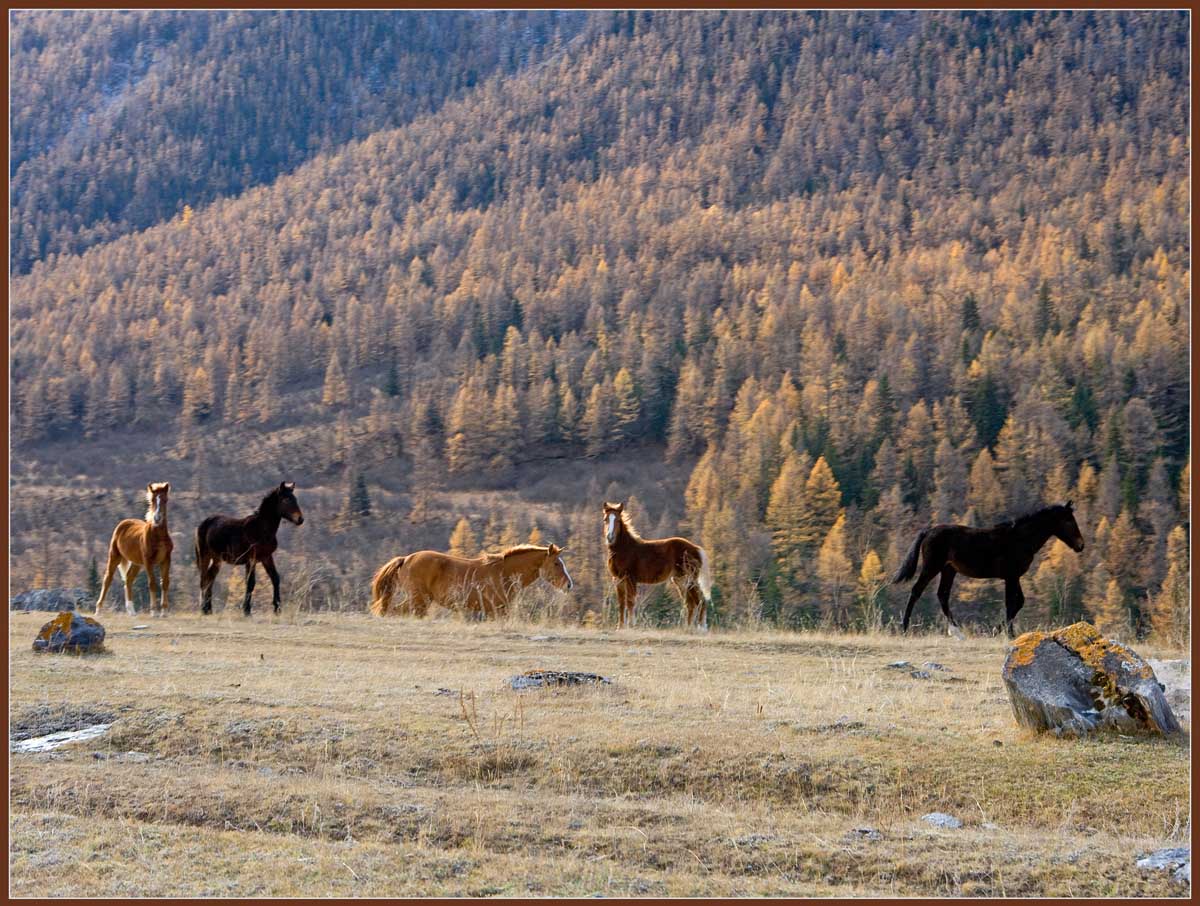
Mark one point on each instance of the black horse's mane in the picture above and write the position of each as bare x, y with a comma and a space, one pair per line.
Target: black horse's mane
1026, 518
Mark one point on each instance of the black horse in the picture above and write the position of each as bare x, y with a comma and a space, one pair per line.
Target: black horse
245, 541
1004, 551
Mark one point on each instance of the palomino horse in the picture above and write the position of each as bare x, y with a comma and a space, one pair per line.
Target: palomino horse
1004, 551
482, 585
138, 544
245, 541
632, 560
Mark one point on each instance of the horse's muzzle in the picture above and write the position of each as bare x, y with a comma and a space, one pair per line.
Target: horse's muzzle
299, 520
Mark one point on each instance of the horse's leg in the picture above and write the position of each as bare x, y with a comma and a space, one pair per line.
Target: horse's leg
943, 592
165, 569
695, 606
626, 590
155, 591
114, 560
1014, 598
249, 587
129, 573
269, 566
924, 579
208, 575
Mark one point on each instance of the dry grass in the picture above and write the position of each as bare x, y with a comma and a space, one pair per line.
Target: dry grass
334, 755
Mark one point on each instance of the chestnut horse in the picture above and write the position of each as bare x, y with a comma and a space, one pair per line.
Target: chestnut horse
1004, 551
142, 544
246, 541
484, 585
632, 560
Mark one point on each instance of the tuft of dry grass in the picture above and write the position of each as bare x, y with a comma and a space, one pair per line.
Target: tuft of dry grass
338, 754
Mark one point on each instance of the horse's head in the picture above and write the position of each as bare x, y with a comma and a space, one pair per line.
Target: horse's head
612, 516
156, 501
289, 509
1066, 529
554, 571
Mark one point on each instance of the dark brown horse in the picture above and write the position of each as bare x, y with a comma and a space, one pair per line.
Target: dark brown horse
1004, 551
482, 585
246, 541
633, 561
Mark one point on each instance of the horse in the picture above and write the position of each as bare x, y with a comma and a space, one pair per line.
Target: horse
246, 541
1004, 551
142, 543
633, 560
483, 585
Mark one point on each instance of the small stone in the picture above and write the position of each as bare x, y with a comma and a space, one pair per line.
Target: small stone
922, 674
1166, 858
140, 626
539, 638
997, 743
942, 820
930, 665
899, 665
864, 833
540, 679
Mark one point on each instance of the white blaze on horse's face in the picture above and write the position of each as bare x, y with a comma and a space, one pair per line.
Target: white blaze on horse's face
610, 532
570, 584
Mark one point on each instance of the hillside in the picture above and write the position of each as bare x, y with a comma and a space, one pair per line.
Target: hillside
120, 118
834, 275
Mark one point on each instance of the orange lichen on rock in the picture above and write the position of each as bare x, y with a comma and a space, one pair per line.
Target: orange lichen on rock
1024, 646
1086, 641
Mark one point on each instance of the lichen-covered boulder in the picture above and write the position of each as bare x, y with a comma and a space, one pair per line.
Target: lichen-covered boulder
70, 632
1073, 681
57, 599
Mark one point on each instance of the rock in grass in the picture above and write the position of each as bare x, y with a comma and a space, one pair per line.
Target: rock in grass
70, 632
1073, 681
1179, 859
540, 679
941, 819
57, 599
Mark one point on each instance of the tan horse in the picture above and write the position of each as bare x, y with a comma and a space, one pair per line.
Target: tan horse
139, 544
633, 561
483, 585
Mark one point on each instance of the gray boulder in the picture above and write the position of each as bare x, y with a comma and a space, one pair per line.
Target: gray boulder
70, 632
942, 820
1074, 681
56, 599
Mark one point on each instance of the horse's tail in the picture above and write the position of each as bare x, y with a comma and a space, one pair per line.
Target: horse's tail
383, 586
909, 569
196, 545
704, 580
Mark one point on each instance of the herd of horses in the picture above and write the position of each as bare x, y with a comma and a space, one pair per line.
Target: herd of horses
486, 585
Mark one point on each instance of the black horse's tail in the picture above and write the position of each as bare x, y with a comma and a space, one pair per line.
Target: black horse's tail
909, 569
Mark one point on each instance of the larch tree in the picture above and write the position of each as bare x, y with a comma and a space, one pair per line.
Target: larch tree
463, 542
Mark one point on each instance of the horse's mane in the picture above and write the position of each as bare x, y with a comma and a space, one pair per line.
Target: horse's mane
628, 523
512, 551
1025, 518
273, 494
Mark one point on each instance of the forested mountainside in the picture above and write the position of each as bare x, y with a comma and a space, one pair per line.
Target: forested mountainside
121, 117
851, 272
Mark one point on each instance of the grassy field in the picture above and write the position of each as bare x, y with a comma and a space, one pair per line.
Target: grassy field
343, 755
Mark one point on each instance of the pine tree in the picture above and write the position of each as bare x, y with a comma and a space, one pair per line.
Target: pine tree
463, 542
335, 391
820, 507
597, 426
987, 497
785, 510
834, 570
1170, 614
358, 504
872, 582
949, 483
1111, 614
626, 407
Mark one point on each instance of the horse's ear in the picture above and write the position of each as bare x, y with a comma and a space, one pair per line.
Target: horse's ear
166, 486
150, 487
1070, 504
287, 485
619, 507
553, 551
